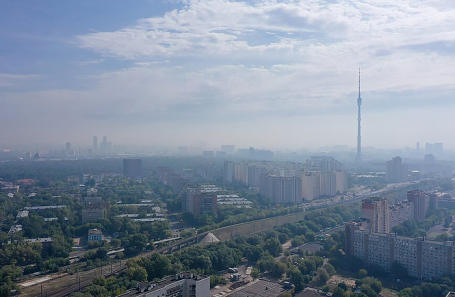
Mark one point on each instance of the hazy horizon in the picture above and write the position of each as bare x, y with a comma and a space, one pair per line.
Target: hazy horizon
268, 74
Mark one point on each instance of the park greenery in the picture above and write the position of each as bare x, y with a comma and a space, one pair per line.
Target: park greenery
261, 250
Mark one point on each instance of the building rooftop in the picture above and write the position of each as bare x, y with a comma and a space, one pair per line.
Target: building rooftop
44, 207
146, 286
41, 240
150, 220
261, 288
50, 219
310, 292
15, 229
95, 232
22, 214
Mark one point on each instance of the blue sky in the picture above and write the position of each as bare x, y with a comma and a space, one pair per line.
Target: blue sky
275, 74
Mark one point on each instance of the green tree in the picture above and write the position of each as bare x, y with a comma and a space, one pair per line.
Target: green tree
362, 273
367, 290
273, 246
338, 292
329, 268
278, 270
137, 273
157, 266
297, 279
255, 273
322, 276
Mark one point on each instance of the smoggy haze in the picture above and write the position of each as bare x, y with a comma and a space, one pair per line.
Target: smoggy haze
254, 73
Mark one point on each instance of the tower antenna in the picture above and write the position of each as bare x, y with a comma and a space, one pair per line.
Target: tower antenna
358, 157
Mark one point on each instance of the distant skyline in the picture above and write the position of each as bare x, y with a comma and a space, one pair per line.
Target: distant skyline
268, 74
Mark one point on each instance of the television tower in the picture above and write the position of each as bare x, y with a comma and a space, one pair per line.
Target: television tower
358, 157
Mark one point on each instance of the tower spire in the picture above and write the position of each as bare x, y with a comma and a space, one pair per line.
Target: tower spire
358, 157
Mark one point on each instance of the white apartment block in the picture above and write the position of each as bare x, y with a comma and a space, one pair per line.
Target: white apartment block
341, 178
281, 189
310, 185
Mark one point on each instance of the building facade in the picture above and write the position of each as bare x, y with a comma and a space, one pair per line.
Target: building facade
311, 185
204, 203
396, 171
95, 235
421, 201
92, 214
376, 211
422, 258
281, 189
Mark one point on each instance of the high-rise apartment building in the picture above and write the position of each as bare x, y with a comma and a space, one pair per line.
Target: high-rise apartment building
422, 258
311, 185
197, 202
228, 149
254, 173
95, 144
376, 211
349, 229
281, 189
188, 198
324, 164
229, 171
93, 214
396, 171
341, 178
327, 184
241, 172
204, 203
421, 202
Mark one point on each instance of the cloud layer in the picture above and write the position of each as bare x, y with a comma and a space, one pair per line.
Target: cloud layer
263, 62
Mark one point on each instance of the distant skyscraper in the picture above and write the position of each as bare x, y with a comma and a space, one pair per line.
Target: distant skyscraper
437, 149
358, 157
95, 143
228, 148
396, 171
68, 147
103, 145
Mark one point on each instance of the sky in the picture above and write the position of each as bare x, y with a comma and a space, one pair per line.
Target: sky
268, 74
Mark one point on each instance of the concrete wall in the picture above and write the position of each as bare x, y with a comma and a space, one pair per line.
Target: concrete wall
249, 228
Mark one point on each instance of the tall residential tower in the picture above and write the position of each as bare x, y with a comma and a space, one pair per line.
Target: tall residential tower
358, 157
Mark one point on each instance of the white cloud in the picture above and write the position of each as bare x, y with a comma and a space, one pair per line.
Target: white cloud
7, 80
220, 60
329, 40
91, 62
